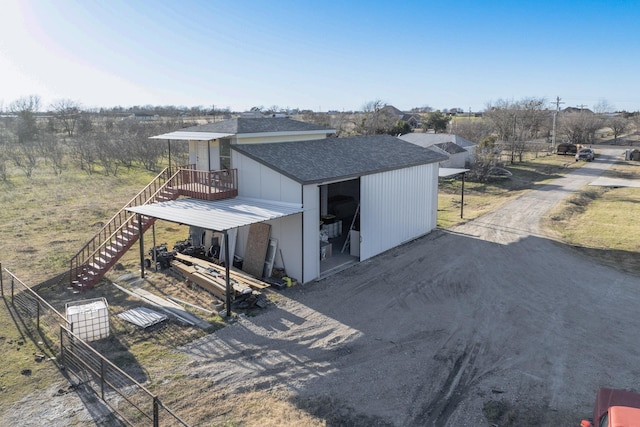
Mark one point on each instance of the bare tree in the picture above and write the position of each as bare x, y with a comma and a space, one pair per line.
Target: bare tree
378, 118
25, 157
25, 124
67, 113
487, 155
473, 130
517, 122
603, 107
618, 126
52, 150
580, 127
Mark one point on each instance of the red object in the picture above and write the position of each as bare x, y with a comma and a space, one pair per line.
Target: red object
615, 408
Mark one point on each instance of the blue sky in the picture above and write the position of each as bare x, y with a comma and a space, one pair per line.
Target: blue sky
320, 55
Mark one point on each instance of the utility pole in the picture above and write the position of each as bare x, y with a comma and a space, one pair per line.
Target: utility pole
555, 115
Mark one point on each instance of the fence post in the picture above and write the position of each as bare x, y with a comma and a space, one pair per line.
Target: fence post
102, 378
38, 315
61, 347
12, 289
156, 421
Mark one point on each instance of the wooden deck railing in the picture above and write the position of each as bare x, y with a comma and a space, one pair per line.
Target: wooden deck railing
207, 185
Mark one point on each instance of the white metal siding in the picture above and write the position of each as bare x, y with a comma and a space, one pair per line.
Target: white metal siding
397, 206
457, 160
311, 238
258, 181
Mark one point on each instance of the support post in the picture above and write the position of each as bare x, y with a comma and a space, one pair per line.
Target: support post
156, 412
462, 197
226, 272
169, 144
155, 253
141, 241
102, 379
61, 347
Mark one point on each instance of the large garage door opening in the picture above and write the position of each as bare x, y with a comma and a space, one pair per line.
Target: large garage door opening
339, 225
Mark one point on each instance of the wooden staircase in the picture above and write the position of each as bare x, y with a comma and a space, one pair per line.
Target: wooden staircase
102, 252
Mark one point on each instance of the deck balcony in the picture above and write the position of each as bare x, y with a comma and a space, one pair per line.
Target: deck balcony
206, 185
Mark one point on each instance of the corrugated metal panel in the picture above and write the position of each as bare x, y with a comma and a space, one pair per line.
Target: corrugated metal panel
219, 215
192, 136
397, 206
447, 172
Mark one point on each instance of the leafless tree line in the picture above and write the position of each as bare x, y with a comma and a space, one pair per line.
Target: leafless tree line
66, 135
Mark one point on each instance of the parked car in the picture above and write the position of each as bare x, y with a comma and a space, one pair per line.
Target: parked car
586, 154
619, 408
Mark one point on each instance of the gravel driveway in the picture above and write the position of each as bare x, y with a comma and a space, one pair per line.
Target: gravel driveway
492, 314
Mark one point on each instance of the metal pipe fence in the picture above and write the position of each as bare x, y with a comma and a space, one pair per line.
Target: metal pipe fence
37, 315
134, 404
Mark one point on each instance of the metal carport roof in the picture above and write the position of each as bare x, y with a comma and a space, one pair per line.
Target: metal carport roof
447, 172
218, 215
192, 136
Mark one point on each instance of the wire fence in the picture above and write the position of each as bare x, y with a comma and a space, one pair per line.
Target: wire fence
134, 404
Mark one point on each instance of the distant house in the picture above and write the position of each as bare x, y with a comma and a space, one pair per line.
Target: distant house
391, 110
577, 110
412, 119
460, 150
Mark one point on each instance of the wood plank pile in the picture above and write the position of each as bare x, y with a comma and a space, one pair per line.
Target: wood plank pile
245, 291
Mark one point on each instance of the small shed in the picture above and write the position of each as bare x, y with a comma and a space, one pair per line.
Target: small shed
632, 155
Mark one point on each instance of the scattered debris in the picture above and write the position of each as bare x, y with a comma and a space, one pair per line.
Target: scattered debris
142, 316
188, 304
169, 307
26, 372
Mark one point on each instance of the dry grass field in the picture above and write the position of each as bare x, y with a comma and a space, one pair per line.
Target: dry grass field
600, 218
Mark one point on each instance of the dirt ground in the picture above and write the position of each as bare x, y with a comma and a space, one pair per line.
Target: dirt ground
491, 323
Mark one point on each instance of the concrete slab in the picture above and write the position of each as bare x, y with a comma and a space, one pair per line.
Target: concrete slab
615, 182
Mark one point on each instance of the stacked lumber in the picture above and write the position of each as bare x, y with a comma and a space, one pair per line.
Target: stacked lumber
234, 273
245, 291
